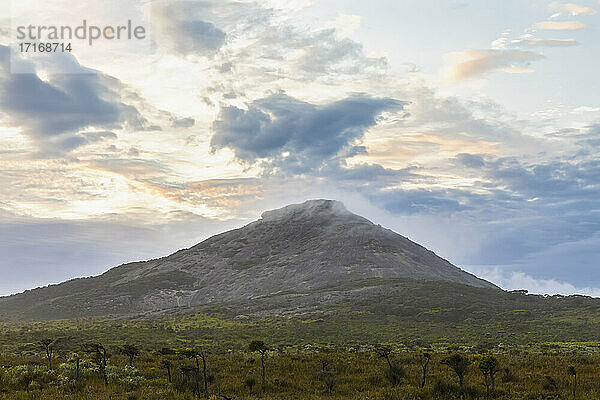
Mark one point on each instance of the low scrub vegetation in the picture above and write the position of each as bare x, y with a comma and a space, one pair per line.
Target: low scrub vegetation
379, 372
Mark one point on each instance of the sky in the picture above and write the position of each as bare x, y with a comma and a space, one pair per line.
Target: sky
473, 128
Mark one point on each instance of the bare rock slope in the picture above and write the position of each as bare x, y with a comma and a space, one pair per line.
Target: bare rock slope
292, 258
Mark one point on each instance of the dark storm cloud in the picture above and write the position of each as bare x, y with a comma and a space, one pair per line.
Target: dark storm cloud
297, 136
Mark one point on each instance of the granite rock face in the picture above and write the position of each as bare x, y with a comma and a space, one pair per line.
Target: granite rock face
291, 259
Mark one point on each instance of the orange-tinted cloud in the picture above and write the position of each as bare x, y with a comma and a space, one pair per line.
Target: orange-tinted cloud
470, 63
560, 25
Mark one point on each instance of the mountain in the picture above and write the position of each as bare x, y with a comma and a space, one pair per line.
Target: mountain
292, 260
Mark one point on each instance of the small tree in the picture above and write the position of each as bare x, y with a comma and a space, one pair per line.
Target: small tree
99, 356
76, 359
189, 373
489, 367
384, 351
194, 354
573, 373
130, 351
48, 345
327, 376
425, 358
260, 347
168, 365
166, 362
394, 372
459, 364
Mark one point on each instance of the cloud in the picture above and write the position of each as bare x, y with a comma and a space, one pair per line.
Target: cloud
138, 169
551, 180
511, 280
540, 215
457, 4
52, 111
279, 46
72, 142
545, 42
410, 202
559, 25
345, 24
68, 103
471, 63
326, 54
294, 135
471, 160
183, 122
571, 9
180, 26
308, 56
222, 194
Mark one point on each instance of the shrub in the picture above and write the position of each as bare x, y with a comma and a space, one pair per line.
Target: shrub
509, 376
549, 384
86, 369
250, 383
329, 379
395, 373
128, 377
443, 389
27, 377
375, 380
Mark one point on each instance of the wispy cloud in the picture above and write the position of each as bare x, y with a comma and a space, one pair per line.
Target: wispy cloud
545, 42
472, 63
559, 25
571, 9
511, 280
345, 24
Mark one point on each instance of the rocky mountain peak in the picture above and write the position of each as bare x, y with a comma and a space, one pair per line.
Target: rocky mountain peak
295, 258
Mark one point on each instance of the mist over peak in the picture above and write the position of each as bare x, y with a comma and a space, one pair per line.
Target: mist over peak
308, 209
